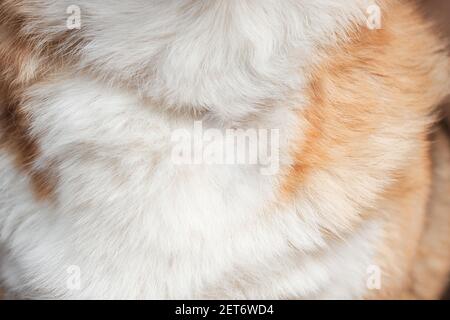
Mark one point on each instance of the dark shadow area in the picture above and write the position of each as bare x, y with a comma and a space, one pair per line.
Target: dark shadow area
439, 12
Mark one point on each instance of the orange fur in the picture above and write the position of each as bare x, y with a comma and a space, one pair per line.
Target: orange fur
371, 104
371, 97
21, 65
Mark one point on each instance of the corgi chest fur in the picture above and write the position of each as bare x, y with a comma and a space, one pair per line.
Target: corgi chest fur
99, 197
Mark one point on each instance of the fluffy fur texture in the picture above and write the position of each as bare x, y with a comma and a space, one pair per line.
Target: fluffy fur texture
87, 179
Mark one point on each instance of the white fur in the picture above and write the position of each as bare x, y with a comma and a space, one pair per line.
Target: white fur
224, 56
139, 226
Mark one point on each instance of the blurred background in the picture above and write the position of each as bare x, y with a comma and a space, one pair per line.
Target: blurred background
438, 11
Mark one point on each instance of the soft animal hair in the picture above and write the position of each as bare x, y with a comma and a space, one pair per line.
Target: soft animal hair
227, 57
86, 177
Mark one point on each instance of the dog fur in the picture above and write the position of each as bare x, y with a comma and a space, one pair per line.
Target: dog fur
87, 181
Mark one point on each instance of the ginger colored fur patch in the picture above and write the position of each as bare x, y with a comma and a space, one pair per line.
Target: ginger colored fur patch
371, 96
364, 86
